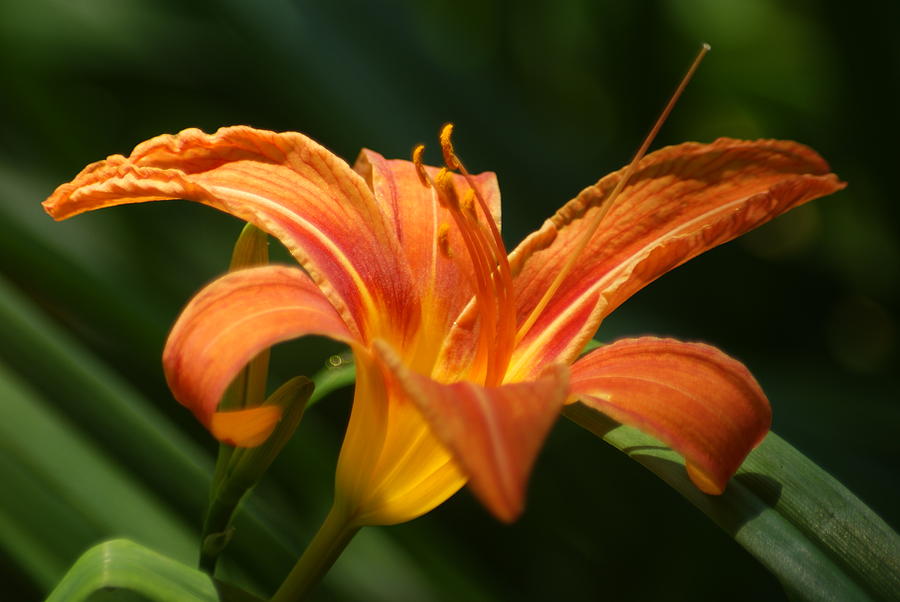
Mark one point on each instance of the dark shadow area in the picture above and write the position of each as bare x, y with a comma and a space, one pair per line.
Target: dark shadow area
746, 496
765, 488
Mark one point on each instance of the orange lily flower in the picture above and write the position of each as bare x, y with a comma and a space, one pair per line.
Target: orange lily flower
465, 355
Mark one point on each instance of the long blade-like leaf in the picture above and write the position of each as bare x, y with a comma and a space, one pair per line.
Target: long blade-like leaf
86, 391
62, 494
120, 564
812, 533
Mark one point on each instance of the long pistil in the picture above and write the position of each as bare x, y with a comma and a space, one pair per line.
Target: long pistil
610, 200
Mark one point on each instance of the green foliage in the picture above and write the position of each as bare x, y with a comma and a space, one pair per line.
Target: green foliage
62, 492
121, 569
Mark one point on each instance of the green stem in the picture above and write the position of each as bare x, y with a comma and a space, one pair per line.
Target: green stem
331, 539
218, 517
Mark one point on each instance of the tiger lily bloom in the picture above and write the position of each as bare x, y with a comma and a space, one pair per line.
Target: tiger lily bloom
465, 355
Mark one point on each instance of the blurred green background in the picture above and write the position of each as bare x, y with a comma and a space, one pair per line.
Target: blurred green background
551, 96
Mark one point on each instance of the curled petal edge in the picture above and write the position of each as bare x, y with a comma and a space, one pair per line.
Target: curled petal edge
681, 201
702, 403
286, 184
225, 325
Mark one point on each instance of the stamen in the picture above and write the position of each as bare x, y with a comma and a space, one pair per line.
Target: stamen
417, 153
443, 189
501, 276
608, 203
443, 240
446, 191
493, 280
488, 300
450, 158
467, 204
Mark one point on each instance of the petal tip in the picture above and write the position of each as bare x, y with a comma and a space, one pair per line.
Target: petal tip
508, 514
249, 427
704, 481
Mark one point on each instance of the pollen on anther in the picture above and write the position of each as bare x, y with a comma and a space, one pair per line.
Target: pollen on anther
467, 204
446, 192
443, 240
420, 167
447, 147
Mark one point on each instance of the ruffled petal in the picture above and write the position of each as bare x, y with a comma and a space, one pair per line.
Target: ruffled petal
681, 201
494, 433
226, 325
442, 269
289, 186
692, 397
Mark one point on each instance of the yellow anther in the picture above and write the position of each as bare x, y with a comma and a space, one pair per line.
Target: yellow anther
443, 183
467, 204
447, 147
417, 153
443, 239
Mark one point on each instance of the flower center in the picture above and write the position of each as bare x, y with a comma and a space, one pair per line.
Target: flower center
494, 296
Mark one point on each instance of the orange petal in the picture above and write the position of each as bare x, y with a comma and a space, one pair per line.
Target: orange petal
227, 324
494, 433
443, 276
245, 428
692, 397
287, 185
681, 201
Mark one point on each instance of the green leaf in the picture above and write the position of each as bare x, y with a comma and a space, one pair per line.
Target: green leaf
810, 531
120, 564
60, 493
126, 425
